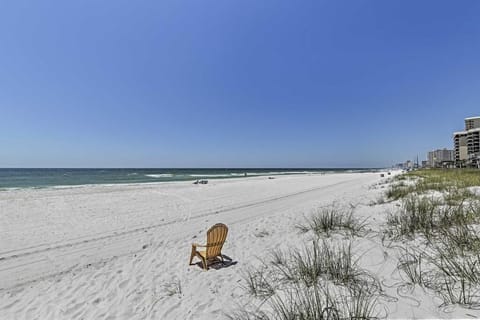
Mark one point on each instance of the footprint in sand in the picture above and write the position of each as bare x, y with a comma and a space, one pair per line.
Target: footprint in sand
123, 284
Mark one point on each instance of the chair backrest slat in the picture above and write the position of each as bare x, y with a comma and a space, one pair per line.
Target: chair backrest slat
216, 236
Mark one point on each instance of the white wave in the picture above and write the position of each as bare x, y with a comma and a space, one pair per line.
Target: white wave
277, 173
210, 175
162, 175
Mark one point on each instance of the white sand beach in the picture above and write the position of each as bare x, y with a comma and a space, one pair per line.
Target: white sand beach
121, 251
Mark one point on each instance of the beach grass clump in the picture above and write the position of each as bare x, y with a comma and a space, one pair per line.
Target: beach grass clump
414, 265
463, 238
318, 302
418, 214
324, 302
458, 196
315, 261
457, 275
330, 219
322, 280
299, 302
360, 303
454, 276
459, 292
320, 259
399, 191
278, 257
430, 216
459, 215
411, 263
258, 283
456, 265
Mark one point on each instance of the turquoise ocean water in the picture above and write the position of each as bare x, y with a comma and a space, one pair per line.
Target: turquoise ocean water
38, 178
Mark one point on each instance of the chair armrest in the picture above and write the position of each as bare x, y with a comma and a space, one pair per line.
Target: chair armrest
197, 245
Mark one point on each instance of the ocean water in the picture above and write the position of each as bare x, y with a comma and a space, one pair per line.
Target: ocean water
40, 178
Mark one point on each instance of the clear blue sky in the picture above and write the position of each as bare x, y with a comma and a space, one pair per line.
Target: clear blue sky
246, 83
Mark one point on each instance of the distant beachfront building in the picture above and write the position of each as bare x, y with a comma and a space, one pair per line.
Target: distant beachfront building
467, 144
408, 164
440, 158
472, 123
461, 148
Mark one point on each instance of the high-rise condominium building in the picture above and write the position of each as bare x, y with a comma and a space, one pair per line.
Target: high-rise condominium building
472, 123
467, 144
439, 157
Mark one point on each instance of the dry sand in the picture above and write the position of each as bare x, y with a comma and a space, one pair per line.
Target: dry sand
121, 251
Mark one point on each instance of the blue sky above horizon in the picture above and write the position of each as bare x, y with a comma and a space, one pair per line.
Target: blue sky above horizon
234, 83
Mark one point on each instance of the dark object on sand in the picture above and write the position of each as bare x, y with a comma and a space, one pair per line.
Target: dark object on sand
389, 173
201, 182
271, 178
382, 175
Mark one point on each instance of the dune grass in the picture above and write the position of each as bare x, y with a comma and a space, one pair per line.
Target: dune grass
331, 219
323, 302
257, 283
442, 180
437, 223
449, 264
322, 280
432, 217
411, 264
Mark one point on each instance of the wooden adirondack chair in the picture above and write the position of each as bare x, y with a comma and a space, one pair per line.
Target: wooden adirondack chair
216, 236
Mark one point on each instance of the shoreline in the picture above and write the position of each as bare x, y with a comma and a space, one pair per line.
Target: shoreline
187, 177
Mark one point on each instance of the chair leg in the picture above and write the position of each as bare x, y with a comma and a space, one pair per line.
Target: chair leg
204, 261
192, 254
